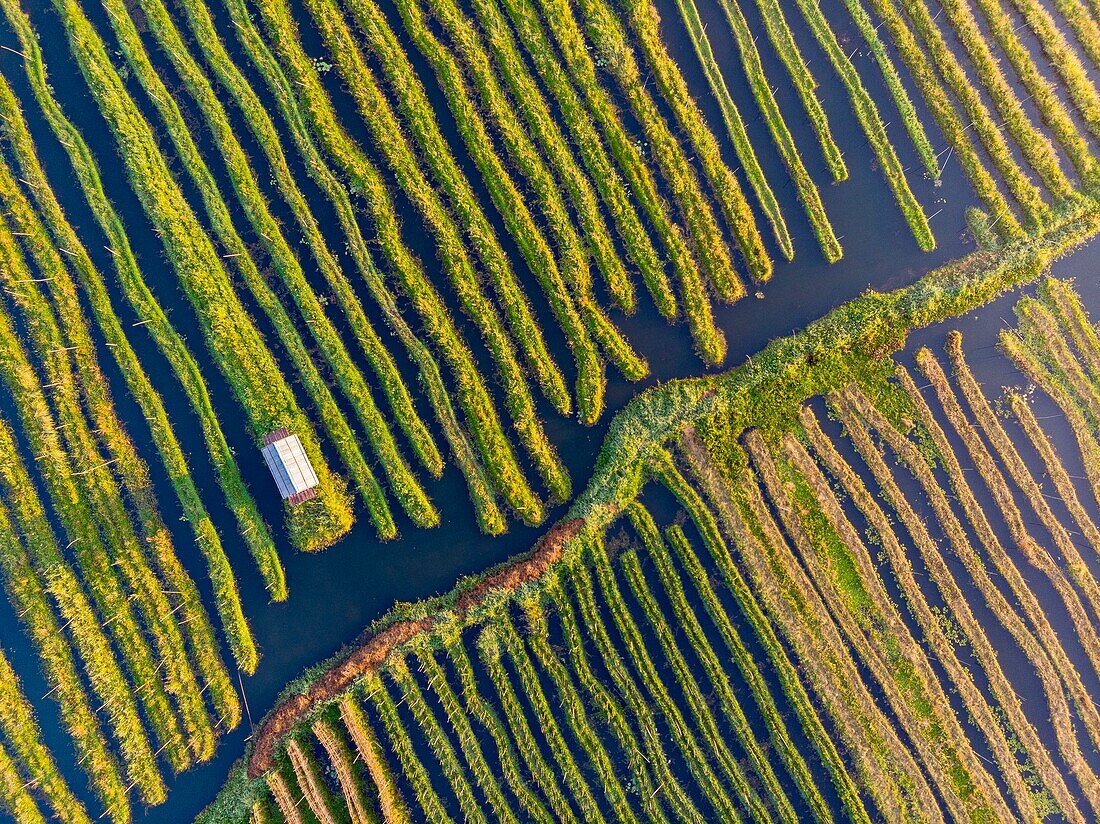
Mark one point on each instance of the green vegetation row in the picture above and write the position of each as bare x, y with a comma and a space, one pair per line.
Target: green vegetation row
781, 135
252, 529
607, 35
1003, 126
405, 485
88, 510
502, 188
157, 568
869, 118
735, 126
459, 212
798, 572
241, 262
260, 122
587, 142
495, 686
91, 279
525, 154
317, 111
120, 595
229, 332
563, 34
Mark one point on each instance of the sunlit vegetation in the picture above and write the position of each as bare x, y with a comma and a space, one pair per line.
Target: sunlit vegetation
136, 474
735, 126
407, 489
410, 233
798, 591
608, 36
781, 134
867, 113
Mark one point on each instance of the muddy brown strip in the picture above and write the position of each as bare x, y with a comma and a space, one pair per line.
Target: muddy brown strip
370, 652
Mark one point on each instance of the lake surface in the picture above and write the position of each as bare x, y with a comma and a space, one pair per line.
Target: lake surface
334, 594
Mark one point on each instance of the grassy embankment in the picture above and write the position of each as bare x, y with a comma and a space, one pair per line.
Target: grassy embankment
768, 393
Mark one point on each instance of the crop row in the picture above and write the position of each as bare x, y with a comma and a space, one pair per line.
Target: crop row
658, 553
1037, 150
246, 186
134, 475
576, 720
34, 581
31, 597
933, 629
777, 806
240, 262
303, 101
1063, 56
1070, 560
47, 310
313, 790
467, 740
798, 526
261, 123
735, 125
956, 80
588, 143
502, 637
561, 277
41, 430
732, 710
509, 754
490, 652
782, 39
573, 83
253, 531
1044, 94
880, 762
400, 743
869, 118
835, 553
69, 370
607, 33
706, 775
938, 570
736, 528
922, 70
1040, 654
234, 340
608, 709
339, 755
368, 750
674, 794
24, 737
781, 134
88, 501
453, 210
527, 154
796, 694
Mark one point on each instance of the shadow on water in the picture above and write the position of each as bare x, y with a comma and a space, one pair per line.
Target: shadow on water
336, 593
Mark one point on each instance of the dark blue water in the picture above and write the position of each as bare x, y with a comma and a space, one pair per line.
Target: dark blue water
336, 593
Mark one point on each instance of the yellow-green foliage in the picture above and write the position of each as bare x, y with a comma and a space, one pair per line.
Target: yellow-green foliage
781, 135
231, 335
252, 528
135, 476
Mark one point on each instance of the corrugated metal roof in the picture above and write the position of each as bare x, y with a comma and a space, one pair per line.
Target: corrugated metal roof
289, 465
